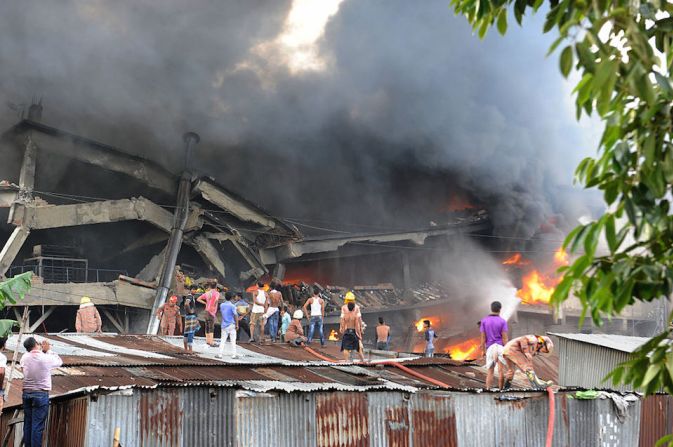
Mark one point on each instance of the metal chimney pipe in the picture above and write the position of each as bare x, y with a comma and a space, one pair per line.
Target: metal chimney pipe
177, 231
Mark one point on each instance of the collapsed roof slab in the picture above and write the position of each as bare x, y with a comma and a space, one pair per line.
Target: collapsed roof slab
327, 244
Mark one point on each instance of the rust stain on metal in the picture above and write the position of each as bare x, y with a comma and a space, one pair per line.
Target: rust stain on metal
160, 418
435, 425
342, 420
656, 419
564, 410
397, 426
68, 422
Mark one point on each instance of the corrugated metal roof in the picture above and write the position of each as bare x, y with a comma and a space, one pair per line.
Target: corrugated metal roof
622, 343
112, 362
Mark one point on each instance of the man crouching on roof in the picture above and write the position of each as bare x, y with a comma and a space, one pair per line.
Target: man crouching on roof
519, 353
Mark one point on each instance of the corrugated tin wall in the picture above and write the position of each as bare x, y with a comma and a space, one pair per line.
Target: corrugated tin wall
205, 416
208, 416
106, 412
67, 423
656, 419
575, 356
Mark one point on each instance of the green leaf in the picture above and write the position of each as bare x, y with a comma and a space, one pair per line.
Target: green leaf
566, 61
15, 288
6, 327
502, 21
610, 234
665, 85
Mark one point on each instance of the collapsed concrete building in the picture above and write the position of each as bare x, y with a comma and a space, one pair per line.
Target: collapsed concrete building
93, 220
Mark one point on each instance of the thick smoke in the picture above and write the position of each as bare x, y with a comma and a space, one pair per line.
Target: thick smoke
410, 108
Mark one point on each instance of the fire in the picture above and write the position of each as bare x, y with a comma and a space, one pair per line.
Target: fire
333, 336
537, 288
516, 259
561, 257
467, 350
419, 324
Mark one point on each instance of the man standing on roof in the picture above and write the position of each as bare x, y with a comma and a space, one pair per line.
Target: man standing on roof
88, 319
317, 315
272, 314
493, 330
519, 353
36, 364
210, 298
382, 335
260, 303
350, 328
229, 325
243, 309
430, 336
169, 314
191, 322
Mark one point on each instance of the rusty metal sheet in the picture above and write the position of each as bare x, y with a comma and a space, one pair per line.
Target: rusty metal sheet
67, 424
433, 420
109, 411
161, 414
389, 421
656, 419
342, 419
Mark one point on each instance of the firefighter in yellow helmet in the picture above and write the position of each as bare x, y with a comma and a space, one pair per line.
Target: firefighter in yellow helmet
519, 353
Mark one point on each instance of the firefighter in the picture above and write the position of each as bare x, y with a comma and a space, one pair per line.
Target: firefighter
169, 314
519, 353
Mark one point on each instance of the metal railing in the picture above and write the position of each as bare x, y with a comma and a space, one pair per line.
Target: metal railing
60, 275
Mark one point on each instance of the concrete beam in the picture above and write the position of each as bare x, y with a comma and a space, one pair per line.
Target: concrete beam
103, 156
332, 243
57, 216
153, 268
231, 204
208, 252
115, 293
12, 247
27, 173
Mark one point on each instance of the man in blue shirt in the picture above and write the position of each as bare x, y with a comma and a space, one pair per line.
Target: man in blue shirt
229, 325
429, 339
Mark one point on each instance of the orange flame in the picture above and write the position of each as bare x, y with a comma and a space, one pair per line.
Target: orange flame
419, 324
467, 350
516, 259
537, 288
333, 336
561, 257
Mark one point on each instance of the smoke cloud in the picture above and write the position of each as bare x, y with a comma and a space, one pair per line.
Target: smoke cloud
400, 107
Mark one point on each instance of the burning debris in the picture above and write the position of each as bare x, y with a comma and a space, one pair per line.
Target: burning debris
538, 284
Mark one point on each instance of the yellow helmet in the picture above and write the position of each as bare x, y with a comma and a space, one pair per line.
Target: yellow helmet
350, 298
85, 300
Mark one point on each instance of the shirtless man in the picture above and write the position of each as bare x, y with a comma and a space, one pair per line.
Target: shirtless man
272, 314
350, 328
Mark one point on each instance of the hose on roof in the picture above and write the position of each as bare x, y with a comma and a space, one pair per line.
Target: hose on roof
551, 417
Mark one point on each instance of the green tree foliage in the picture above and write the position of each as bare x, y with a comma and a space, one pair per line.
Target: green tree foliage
11, 291
622, 51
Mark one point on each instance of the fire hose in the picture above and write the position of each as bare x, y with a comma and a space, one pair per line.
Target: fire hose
395, 364
551, 417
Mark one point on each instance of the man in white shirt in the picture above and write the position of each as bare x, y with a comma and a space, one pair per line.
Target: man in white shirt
317, 314
260, 303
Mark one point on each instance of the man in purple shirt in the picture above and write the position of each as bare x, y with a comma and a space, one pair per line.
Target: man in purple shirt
36, 364
493, 330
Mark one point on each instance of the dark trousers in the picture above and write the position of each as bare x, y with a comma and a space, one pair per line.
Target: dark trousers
243, 326
35, 410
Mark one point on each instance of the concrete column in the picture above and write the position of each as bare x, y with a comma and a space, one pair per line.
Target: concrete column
12, 247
